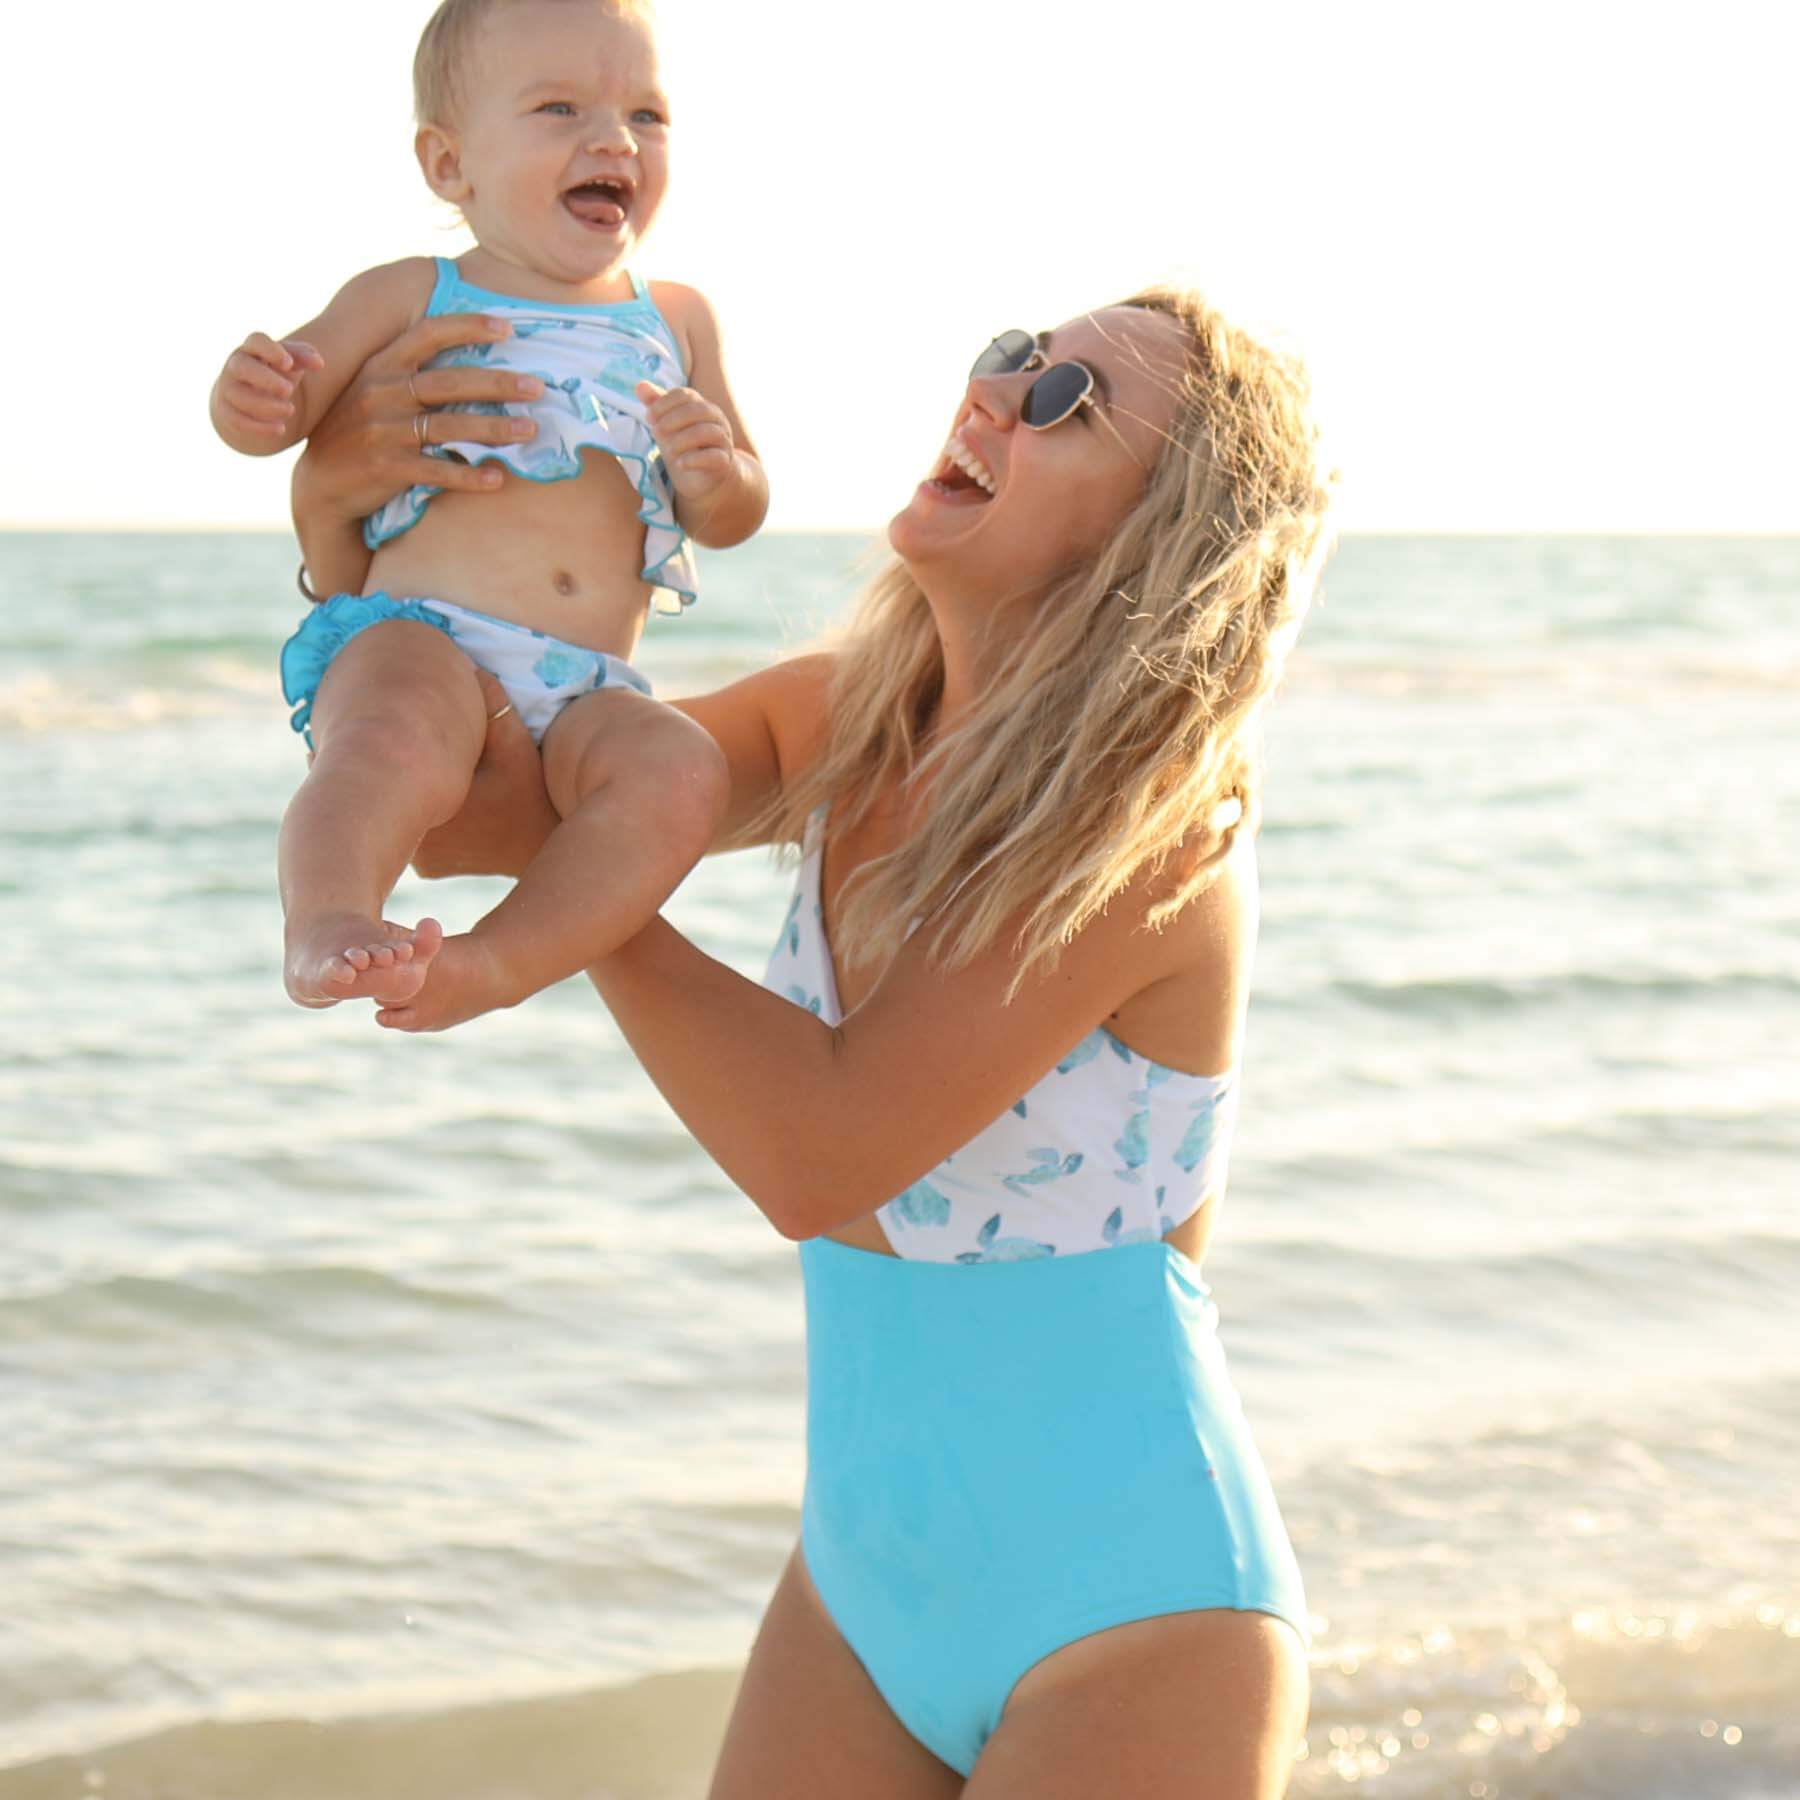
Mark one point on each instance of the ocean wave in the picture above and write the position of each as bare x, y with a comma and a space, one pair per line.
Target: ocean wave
1446, 997
293, 1303
208, 688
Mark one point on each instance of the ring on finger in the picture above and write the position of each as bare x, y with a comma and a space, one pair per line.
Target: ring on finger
421, 428
411, 389
501, 714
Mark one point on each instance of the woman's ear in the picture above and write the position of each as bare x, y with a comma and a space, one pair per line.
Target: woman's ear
440, 160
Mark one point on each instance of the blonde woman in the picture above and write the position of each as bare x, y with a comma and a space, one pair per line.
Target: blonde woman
990, 1084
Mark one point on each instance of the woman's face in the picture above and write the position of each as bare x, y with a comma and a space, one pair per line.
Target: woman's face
1057, 495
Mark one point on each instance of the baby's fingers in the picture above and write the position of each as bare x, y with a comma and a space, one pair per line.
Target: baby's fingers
672, 406
250, 374
704, 434
264, 349
303, 354
256, 408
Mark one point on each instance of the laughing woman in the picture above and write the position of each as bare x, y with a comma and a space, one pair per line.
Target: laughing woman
990, 1083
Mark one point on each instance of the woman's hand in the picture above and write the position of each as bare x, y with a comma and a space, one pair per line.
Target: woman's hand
507, 815
370, 445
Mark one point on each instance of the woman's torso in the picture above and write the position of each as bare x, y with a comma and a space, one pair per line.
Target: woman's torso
1173, 1033
563, 544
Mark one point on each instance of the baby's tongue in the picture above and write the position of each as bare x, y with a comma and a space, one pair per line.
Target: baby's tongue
593, 206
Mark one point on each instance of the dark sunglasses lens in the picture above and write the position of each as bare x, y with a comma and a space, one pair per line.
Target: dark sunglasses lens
1055, 394
1009, 351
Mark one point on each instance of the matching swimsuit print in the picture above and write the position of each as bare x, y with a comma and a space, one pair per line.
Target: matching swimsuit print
590, 360
1005, 1158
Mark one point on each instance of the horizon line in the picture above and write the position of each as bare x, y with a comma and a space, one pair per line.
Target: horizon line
201, 528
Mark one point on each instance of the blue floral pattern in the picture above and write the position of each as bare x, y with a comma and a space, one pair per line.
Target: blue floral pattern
1110, 1148
590, 360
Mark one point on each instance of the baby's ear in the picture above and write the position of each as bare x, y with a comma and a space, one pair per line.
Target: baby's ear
440, 161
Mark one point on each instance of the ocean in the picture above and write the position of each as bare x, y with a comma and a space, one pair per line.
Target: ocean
385, 1416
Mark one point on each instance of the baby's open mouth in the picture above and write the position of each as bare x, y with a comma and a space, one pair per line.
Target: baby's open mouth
601, 201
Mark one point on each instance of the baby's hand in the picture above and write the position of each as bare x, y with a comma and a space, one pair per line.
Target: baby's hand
257, 387
693, 435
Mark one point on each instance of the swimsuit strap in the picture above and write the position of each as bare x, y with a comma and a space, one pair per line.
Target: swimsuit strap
639, 288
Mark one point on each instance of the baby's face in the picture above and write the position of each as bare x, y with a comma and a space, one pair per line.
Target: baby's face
564, 137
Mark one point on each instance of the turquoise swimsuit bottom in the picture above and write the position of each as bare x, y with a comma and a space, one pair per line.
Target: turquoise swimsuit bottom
1022, 1432
541, 674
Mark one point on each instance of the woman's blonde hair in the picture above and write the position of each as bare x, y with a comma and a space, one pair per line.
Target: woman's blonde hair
1117, 729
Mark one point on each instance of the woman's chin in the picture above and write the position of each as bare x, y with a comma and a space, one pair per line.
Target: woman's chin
923, 527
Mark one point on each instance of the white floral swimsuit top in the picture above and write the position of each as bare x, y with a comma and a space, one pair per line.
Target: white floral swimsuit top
590, 360
1109, 1148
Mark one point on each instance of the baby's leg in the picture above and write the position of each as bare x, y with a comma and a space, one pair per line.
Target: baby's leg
398, 726
642, 790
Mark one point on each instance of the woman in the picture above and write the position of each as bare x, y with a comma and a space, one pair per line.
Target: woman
1039, 1554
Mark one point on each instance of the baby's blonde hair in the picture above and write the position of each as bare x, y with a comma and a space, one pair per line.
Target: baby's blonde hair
444, 47
1119, 724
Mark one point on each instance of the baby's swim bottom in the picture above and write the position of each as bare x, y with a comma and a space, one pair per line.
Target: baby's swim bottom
1005, 1458
541, 674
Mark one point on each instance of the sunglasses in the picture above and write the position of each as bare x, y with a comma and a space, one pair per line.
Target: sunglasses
1059, 391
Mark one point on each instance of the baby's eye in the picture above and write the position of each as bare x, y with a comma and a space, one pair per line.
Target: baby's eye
648, 115
560, 109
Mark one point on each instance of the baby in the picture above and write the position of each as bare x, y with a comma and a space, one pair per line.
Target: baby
544, 123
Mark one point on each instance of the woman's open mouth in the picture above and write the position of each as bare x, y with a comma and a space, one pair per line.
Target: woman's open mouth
601, 203
961, 475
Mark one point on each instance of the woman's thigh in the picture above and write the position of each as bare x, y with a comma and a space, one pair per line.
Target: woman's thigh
810, 1725
1194, 1706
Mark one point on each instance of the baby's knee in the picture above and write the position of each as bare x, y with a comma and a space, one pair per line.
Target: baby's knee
411, 745
647, 757
695, 785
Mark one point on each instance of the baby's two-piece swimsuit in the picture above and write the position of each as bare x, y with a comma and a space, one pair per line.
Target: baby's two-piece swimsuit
590, 359
1021, 1428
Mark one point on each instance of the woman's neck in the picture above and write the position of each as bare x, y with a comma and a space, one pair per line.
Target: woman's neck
971, 655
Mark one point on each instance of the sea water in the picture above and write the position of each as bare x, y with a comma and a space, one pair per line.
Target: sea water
441, 1391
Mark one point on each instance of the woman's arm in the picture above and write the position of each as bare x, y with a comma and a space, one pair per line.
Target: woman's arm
819, 1125
365, 448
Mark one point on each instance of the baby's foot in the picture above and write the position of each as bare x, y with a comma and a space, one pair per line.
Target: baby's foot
345, 956
467, 980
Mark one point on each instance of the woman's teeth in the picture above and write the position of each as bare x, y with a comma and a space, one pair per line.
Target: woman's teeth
959, 453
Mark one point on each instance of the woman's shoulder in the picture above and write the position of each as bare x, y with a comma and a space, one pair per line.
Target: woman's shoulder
799, 706
1189, 1011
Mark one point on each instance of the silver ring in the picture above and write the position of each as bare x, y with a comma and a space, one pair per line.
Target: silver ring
415, 393
501, 714
420, 428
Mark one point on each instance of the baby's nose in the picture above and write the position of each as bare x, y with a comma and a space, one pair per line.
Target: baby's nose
611, 134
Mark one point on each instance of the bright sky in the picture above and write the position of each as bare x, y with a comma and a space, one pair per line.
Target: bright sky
1541, 256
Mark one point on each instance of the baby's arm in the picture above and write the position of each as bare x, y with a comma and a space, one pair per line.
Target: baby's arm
270, 395
721, 492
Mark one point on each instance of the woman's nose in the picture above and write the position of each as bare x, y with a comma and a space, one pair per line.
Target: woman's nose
996, 398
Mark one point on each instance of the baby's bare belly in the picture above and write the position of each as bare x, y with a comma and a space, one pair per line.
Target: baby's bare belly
562, 557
